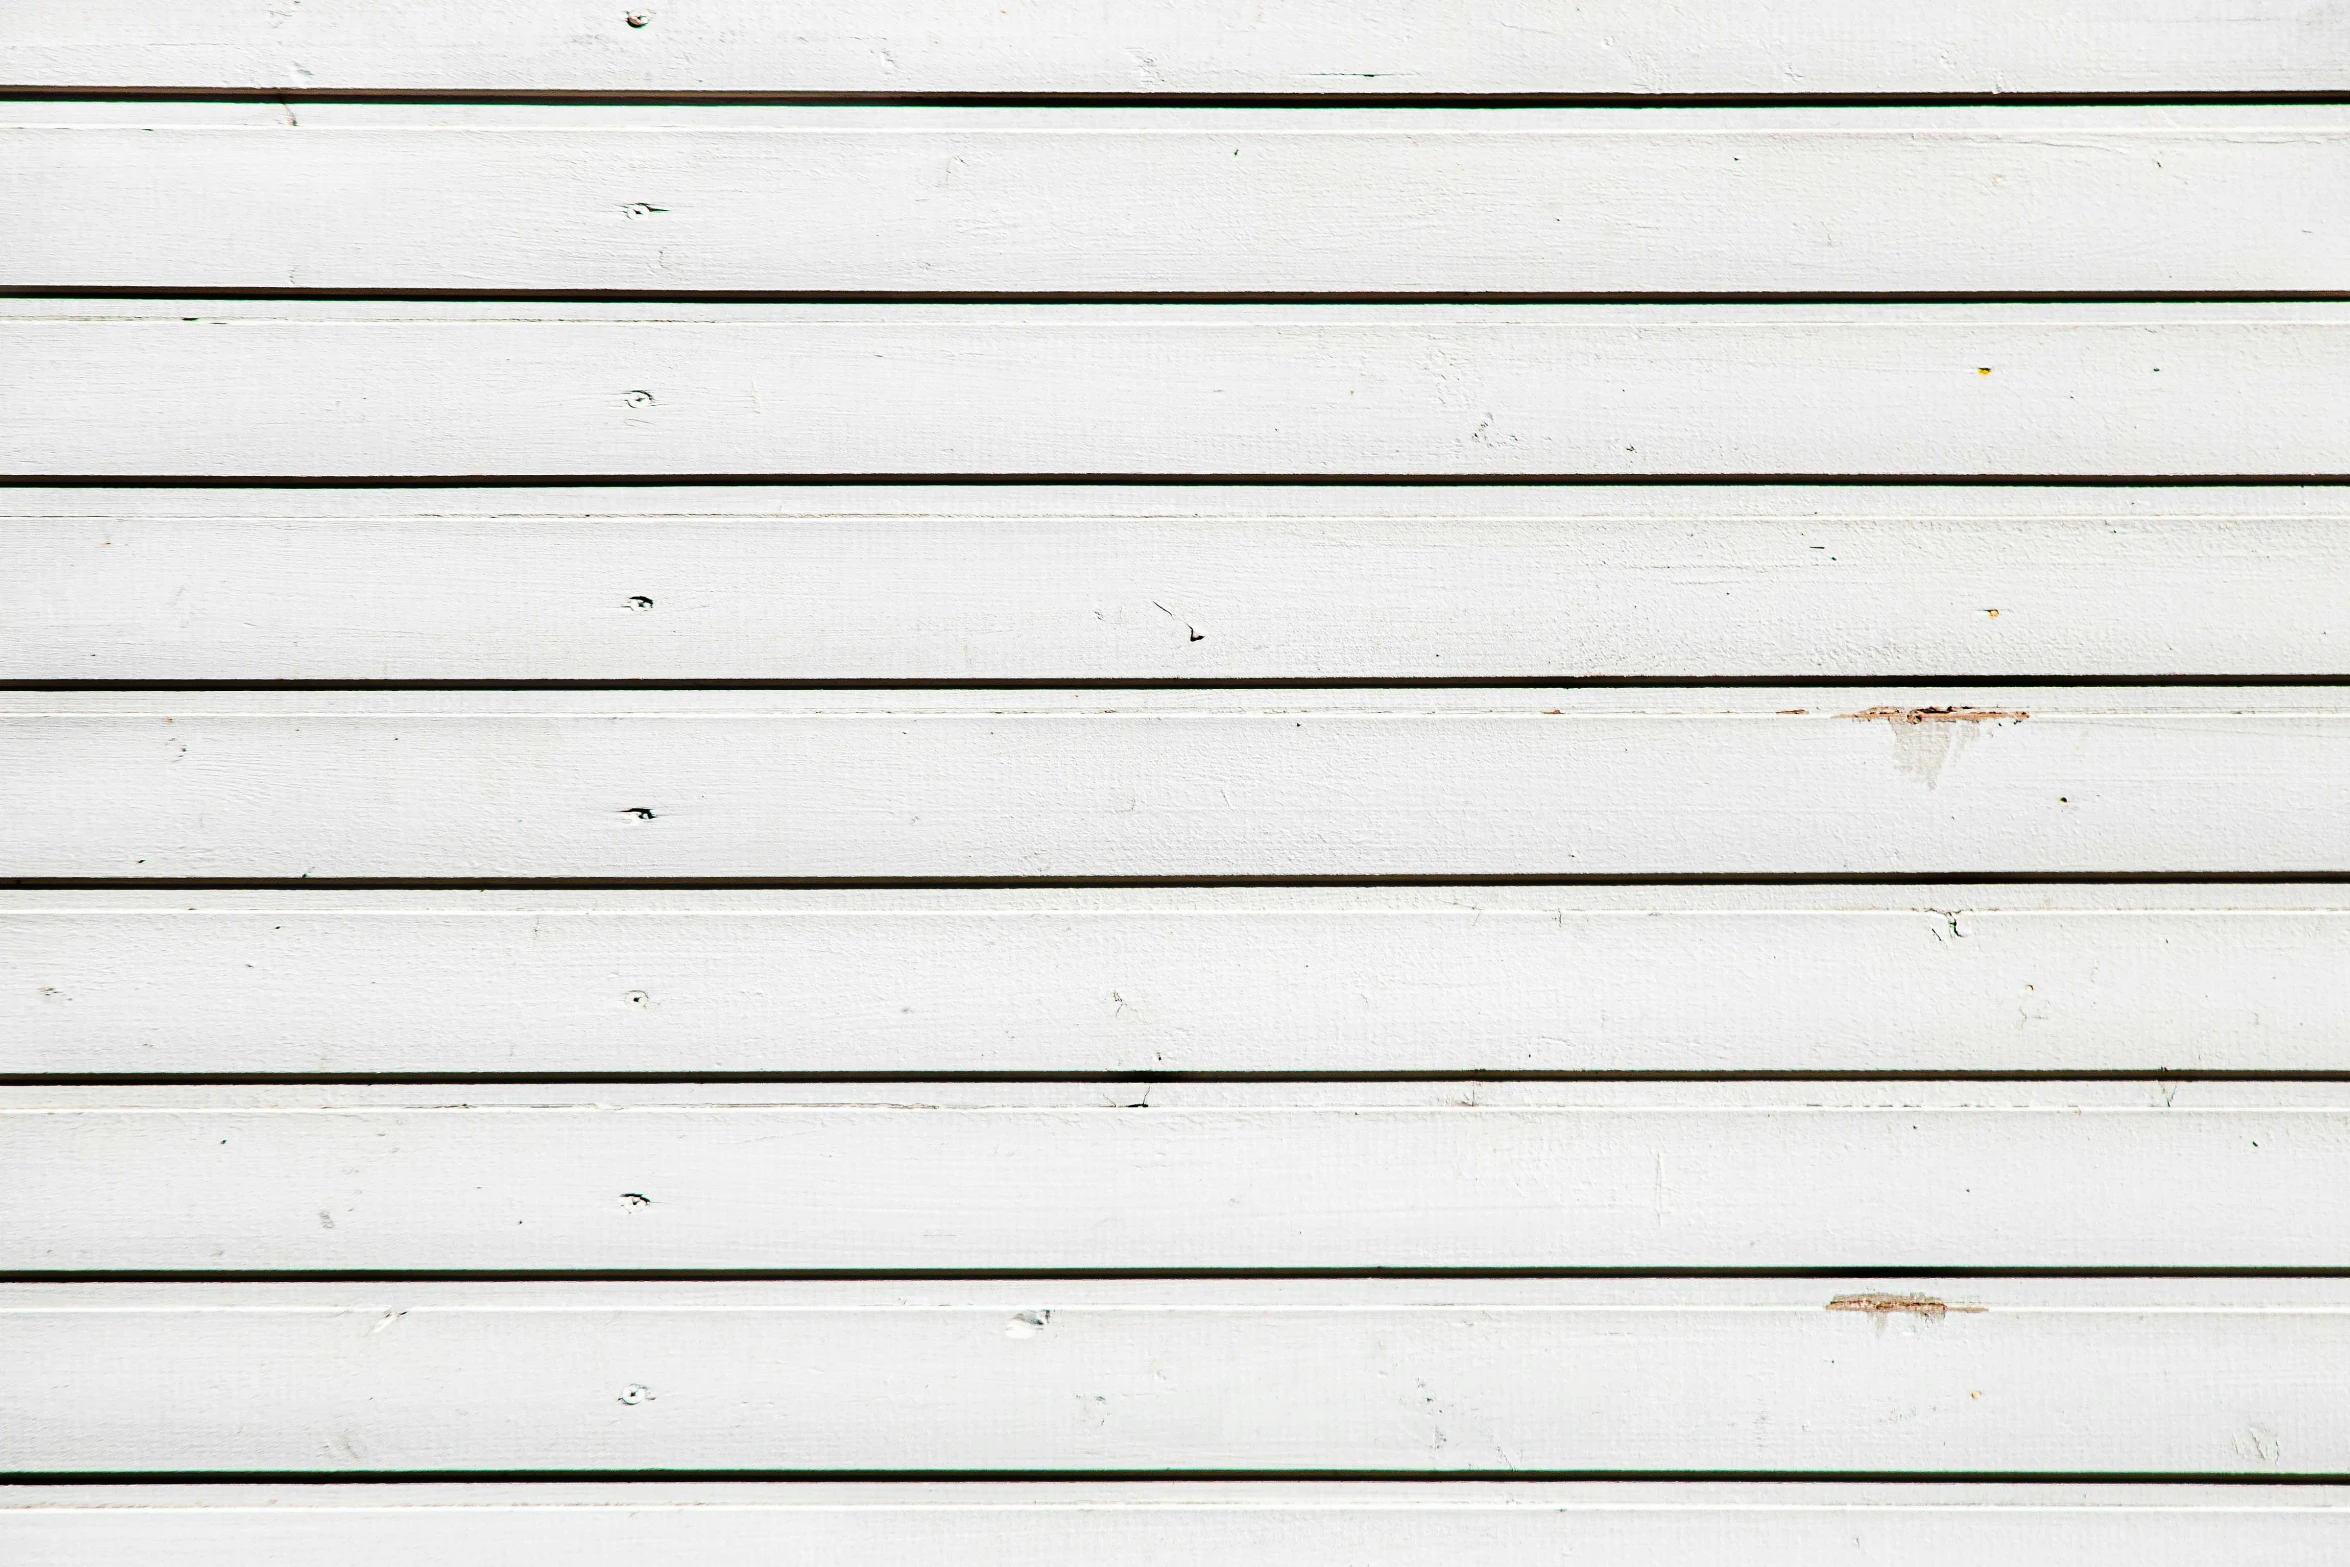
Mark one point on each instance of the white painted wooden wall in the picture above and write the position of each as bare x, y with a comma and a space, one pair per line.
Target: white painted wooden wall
1278, 783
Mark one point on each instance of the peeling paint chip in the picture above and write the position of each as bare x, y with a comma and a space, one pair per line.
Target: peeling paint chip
1935, 715
1904, 1305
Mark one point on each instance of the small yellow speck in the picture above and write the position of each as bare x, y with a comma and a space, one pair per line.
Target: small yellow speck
1982, 369
1994, 614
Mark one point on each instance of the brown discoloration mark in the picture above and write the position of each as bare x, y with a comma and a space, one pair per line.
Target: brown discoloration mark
1877, 1305
1925, 737
1935, 715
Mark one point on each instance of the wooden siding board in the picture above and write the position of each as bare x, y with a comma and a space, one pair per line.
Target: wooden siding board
1296, 980
1303, 47
1173, 584
1350, 1377
1859, 783
218, 391
1159, 1178
1176, 1523
2234, 200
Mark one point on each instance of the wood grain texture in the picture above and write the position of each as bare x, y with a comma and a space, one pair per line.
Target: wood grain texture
1727, 979
1174, 1178
1158, 584
992, 785
1305, 47
1177, 1524
932, 201
1358, 1376
130, 389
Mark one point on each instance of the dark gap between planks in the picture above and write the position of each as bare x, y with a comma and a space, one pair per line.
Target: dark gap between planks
604, 1478
423, 1276
1011, 297
1158, 100
1471, 1075
468, 481
167, 884
1220, 683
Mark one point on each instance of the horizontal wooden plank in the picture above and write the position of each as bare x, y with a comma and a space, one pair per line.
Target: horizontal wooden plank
1306, 47
1849, 1376
1175, 1178
1157, 584
352, 390
1170, 1523
1729, 979
931, 201
996, 785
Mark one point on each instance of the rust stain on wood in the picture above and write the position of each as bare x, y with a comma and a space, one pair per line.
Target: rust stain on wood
1935, 715
1877, 1305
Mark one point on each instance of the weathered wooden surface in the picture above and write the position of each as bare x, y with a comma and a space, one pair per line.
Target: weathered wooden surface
1301, 47
603, 1127
1175, 1177
1291, 980
419, 390
1854, 1376
914, 584
1862, 782
2220, 200
1179, 1524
